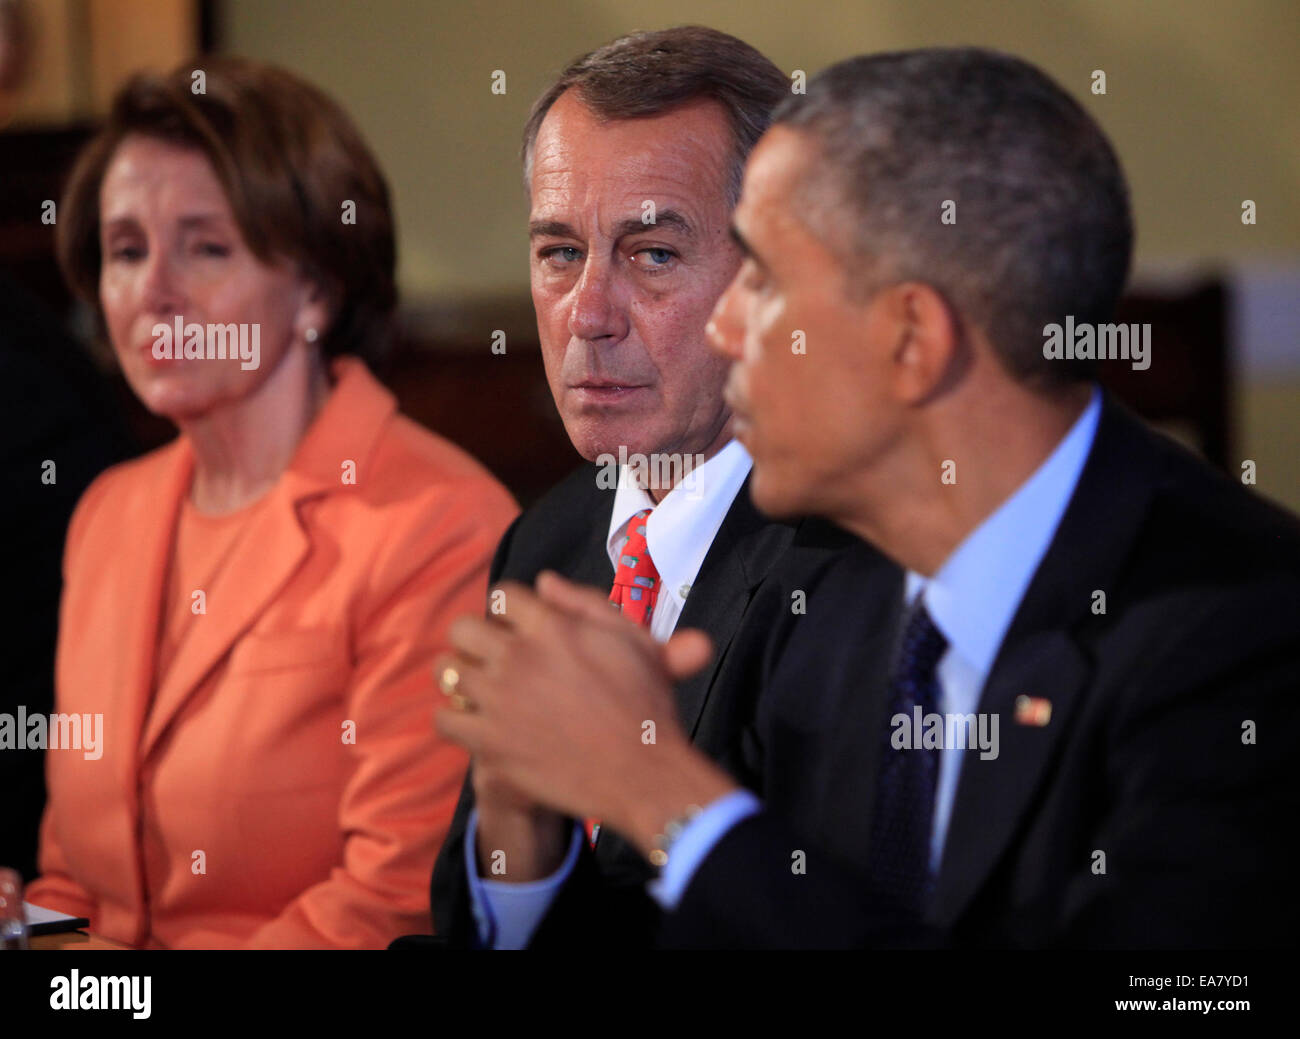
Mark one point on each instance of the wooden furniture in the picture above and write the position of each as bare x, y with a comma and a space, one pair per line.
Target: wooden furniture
77, 940
1188, 388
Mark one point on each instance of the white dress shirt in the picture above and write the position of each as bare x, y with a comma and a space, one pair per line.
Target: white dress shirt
679, 532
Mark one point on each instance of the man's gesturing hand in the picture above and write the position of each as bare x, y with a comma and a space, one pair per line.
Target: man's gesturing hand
571, 704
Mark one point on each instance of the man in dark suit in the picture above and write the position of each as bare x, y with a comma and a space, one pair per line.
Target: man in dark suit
633, 161
1066, 712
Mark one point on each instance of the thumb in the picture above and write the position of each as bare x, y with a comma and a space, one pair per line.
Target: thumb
686, 653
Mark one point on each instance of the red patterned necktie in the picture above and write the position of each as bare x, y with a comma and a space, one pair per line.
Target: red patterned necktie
635, 591
636, 581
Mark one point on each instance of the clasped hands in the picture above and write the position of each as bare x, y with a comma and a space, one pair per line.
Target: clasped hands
566, 704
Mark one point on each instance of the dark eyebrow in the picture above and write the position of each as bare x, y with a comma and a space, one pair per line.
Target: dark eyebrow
668, 218
550, 229
744, 245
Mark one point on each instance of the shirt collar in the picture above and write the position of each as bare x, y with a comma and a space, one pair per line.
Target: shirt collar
975, 594
682, 526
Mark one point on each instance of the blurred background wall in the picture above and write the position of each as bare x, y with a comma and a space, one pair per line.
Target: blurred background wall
1201, 101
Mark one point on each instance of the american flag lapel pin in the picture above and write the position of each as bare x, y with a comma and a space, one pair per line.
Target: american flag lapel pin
1033, 710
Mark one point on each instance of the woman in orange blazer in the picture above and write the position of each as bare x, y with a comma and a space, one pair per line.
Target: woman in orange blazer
252, 612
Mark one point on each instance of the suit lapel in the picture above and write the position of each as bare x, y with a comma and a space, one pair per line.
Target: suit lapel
744, 549
569, 536
270, 549
273, 543
591, 563
993, 796
142, 570
1044, 655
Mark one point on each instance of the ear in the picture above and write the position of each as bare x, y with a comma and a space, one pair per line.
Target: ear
315, 312
928, 355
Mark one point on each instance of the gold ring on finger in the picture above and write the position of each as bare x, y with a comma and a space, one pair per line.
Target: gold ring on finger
449, 680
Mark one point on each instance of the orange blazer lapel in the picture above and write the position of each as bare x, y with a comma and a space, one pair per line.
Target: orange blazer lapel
274, 544
123, 560
269, 550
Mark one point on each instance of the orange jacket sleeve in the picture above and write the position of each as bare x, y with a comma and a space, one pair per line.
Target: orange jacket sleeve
55, 888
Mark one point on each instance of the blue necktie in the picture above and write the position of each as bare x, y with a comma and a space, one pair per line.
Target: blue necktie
900, 827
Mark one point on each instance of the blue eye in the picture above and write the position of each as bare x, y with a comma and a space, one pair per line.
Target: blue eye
660, 259
562, 253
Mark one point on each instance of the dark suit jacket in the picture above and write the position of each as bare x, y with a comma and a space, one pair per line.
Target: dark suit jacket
1147, 759
604, 901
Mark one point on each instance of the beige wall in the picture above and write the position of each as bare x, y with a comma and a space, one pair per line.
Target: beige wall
1203, 102
1203, 99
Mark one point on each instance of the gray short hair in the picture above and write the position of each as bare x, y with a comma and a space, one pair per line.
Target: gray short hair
648, 73
1043, 226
